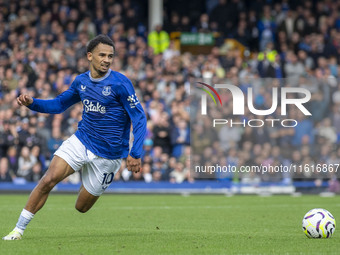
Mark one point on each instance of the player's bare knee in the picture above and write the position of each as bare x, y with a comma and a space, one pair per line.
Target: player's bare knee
47, 183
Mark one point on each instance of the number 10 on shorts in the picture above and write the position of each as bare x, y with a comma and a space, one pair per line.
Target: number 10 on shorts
108, 178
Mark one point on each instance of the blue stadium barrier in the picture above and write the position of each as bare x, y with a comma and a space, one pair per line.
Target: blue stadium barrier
208, 187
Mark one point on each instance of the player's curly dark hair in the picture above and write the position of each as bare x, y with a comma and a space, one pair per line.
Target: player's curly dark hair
104, 39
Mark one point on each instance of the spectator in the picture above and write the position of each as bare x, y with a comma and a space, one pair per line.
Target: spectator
10, 83
88, 26
162, 133
36, 152
266, 27
44, 132
55, 141
4, 170
288, 24
26, 163
137, 177
131, 20
179, 174
158, 40
203, 24
147, 175
8, 137
71, 33
293, 69
171, 52
12, 160
180, 138
36, 173
156, 176
303, 132
174, 24
220, 15
326, 130
185, 24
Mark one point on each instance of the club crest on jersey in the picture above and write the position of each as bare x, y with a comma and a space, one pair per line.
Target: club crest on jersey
106, 90
133, 100
82, 87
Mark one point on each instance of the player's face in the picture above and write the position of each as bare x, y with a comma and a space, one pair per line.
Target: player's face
101, 58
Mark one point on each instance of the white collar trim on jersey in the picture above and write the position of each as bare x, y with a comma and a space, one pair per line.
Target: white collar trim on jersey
101, 78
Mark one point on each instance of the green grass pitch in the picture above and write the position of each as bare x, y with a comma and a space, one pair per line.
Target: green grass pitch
169, 224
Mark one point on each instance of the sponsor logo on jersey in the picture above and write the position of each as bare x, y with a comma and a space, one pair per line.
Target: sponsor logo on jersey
133, 100
106, 90
90, 107
82, 87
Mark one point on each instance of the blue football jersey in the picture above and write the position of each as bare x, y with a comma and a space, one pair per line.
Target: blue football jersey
110, 105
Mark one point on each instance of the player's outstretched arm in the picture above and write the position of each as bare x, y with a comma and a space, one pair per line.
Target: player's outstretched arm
136, 113
24, 100
54, 106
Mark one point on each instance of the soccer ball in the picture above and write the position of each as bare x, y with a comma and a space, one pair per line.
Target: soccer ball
318, 223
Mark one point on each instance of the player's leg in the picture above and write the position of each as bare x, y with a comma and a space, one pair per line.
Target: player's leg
97, 175
85, 200
58, 170
69, 158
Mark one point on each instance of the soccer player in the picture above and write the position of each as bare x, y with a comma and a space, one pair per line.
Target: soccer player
102, 139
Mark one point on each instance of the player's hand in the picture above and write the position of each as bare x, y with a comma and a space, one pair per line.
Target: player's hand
25, 100
133, 164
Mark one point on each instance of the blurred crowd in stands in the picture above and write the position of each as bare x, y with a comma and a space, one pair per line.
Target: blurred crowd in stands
43, 48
